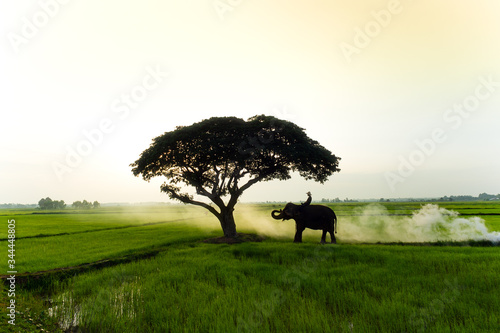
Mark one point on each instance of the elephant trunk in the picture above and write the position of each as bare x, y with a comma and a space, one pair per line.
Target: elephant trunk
277, 214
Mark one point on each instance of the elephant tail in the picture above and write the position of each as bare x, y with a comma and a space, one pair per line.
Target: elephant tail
335, 223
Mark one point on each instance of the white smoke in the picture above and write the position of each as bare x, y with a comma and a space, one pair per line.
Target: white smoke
431, 223
252, 218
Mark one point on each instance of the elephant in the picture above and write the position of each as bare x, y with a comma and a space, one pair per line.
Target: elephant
316, 217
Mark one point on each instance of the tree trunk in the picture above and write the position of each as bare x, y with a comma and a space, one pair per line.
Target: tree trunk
227, 223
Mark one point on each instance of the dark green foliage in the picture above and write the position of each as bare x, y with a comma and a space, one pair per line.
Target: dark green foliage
206, 153
48, 203
86, 204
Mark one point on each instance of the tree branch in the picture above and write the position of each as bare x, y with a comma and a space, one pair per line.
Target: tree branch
251, 182
185, 198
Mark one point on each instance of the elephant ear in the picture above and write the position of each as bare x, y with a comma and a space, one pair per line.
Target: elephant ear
300, 208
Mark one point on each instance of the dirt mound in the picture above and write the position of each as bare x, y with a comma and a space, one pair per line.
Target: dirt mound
240, 238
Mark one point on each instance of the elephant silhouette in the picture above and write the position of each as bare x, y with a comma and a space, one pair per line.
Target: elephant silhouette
316, 217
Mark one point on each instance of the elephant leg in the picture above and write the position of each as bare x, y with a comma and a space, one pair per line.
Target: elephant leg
332, 235
323, 237
298, 235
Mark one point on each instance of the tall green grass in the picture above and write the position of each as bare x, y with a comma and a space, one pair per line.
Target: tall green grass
277, 286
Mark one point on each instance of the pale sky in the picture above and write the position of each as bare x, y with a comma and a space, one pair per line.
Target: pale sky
406, 92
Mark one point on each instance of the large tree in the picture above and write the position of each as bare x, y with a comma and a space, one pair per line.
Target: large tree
224, 156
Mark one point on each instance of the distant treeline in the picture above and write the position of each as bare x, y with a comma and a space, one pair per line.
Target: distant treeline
338, 200
17, 206
480, 197
86, 204
48, 203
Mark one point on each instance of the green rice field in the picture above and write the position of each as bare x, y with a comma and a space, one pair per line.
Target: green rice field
397, 267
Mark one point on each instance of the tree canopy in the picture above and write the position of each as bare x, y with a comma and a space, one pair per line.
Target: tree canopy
224, 156
48, 203
86, 204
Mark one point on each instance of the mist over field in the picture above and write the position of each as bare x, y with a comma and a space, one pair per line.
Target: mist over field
429, 224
